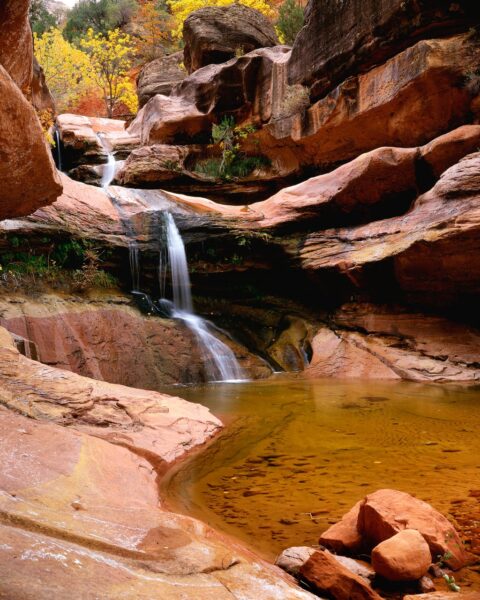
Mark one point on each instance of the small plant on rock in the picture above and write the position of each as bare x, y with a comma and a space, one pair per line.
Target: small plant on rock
296, 100
233, 163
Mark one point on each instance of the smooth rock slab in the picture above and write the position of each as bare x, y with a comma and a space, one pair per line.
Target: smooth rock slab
403, 557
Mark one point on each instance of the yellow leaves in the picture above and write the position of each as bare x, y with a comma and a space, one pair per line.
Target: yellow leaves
101, 61
67, 69
111, 58
182, 8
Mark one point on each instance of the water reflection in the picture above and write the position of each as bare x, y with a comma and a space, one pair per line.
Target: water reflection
297, 454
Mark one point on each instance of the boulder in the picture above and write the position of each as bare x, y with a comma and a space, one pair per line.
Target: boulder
160, 76
338, 41
383, 514
416, 95
16, 48
387, 512
292, 559
215, 34
27, 171
325, 575
246, 87
344, 536
403, 557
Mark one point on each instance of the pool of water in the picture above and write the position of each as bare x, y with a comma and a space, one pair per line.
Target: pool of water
296, 454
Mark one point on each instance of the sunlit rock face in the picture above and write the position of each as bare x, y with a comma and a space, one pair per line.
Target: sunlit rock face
340, 39
27, 171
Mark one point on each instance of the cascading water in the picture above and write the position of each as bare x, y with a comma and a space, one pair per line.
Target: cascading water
107, 178
220, 362
109, 168
58, 148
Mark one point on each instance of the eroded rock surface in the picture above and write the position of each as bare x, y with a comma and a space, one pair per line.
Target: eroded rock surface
214, 34
89, 335
338, 40
82, 514
159, 77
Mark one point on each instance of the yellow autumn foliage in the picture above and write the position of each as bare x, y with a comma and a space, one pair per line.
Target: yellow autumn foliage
67, 69
182, 8
111, 58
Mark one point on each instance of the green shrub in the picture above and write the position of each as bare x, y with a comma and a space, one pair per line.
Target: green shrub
233, 163
290, 21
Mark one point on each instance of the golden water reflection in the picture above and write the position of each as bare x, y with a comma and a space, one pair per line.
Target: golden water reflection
298, 454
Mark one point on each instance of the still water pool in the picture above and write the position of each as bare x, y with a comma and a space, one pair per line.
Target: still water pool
296, 454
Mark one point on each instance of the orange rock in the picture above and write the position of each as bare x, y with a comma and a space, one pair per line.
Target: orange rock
344, 537
27, 172
403, 557
374, 184
88, 336
341, 40
387, 512
327, 576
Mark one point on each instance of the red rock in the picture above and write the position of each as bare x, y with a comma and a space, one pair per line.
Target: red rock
344, 537
82, 518
341, 40
386, 106
80, 143
16, 48
27, 172
88, 336
403, 557
387, 512
444, 596
389, 342
448, 149
428, 245
327, 576
374, 183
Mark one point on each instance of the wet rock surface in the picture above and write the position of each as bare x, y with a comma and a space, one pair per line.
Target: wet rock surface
88, 336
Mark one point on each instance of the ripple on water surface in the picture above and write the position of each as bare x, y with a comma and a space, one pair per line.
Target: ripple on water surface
298, 454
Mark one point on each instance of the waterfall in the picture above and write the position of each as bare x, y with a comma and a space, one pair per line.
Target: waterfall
107, 178
220, 361
110, 166
57, 146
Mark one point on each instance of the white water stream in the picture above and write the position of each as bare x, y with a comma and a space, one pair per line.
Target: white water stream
219, 360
